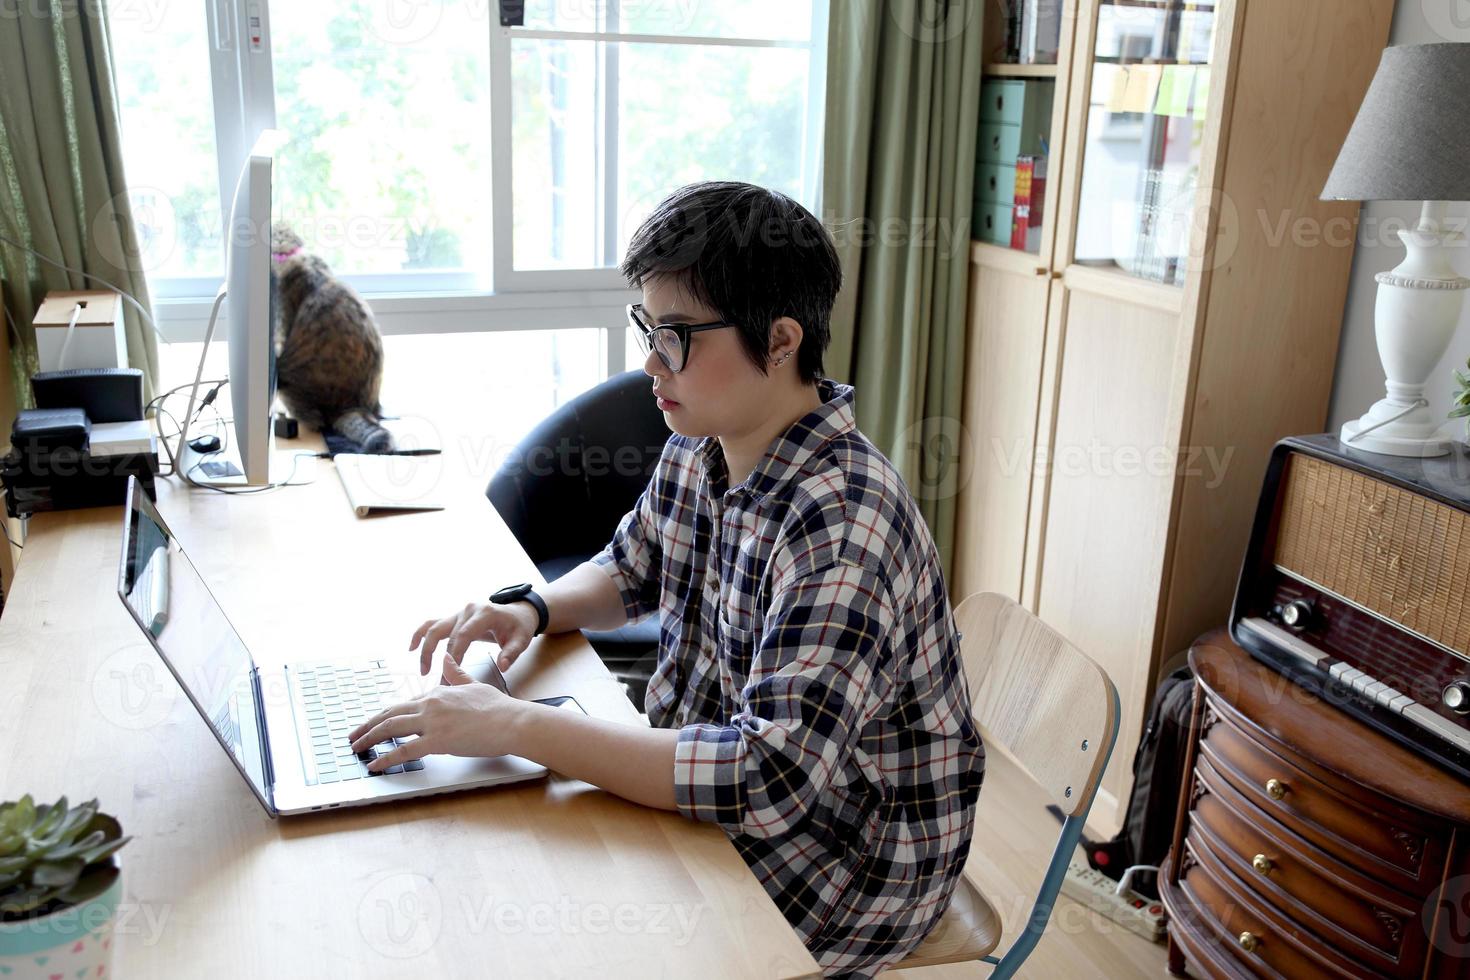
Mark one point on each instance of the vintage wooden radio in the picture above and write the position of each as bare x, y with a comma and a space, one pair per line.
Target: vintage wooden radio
1354, 585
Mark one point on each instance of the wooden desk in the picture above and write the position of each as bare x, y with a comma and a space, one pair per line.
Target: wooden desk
554, 876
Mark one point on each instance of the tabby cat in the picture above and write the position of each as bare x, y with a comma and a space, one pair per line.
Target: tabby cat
329, 354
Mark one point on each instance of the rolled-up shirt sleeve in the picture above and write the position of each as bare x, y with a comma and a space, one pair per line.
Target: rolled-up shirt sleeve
822, 667
634, 556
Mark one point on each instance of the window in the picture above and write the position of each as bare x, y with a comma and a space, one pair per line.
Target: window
172, 184
614, 104
385, 168
460, 174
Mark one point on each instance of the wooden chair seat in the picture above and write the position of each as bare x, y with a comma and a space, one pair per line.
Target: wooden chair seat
968, 930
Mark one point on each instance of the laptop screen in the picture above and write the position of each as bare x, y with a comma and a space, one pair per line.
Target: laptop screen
187, 627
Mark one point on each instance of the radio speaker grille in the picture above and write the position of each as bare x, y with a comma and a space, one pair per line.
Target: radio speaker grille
1392, 552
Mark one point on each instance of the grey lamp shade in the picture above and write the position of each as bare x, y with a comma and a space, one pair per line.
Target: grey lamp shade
1411, 139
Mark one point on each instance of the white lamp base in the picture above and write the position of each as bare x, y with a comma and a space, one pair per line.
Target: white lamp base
1388, 440
1417, 309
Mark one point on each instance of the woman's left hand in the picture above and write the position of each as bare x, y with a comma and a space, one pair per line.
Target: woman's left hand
463, 717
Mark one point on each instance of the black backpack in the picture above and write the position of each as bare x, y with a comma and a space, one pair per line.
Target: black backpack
1158, 778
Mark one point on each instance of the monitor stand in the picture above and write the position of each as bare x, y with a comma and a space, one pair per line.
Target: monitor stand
224, 469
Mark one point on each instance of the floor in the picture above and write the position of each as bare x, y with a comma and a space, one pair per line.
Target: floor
489, 389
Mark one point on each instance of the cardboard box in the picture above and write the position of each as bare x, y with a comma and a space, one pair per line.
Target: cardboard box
99, 340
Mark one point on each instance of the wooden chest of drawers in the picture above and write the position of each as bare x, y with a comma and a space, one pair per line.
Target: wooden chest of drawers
1309, 845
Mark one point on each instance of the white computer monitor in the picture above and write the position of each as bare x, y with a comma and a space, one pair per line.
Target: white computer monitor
249, 297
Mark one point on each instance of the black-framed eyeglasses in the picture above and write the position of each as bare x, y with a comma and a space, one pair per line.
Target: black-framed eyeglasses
670, 341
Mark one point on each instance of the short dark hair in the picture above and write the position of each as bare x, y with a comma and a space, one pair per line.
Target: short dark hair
750, 254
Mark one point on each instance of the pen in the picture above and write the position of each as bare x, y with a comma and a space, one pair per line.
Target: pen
395, 452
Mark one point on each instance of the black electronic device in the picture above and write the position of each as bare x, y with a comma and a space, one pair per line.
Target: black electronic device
45, 429
105, 394
50, 465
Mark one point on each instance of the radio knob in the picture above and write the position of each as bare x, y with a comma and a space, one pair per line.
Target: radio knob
1456, 696
1297, 613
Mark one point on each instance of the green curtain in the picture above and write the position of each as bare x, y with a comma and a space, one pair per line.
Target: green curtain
903, 102
62, 190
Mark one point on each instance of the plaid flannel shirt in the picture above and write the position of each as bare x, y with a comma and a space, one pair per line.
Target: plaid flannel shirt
809, 658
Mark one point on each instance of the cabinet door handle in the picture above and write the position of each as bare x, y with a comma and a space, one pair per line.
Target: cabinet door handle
1275, 789
1248, 942
1262, 864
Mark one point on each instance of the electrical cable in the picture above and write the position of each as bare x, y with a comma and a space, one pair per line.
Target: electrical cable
295, 459
219, 298
108, 283
71, 332
5, 529
156, 406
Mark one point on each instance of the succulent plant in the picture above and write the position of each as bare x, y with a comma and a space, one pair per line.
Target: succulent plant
52, 856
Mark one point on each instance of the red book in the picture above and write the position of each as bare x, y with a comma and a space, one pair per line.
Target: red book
1029, 196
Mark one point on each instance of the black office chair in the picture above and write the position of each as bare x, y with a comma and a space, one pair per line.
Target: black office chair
563, 506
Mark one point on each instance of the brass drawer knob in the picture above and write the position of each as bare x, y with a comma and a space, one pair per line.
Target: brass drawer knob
1275, 789
1262, 863
1248, 942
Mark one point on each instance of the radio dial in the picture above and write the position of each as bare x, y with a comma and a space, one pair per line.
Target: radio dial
1297, 613
1456, 696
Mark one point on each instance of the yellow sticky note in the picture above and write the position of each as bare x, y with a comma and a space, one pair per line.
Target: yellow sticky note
1201, 91
1133, 92
1143, 86
1117, 87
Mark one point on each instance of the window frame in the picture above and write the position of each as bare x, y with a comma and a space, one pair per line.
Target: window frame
506, 276
242, 81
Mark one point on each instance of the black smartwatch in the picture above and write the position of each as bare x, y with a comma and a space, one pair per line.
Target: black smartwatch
524, 593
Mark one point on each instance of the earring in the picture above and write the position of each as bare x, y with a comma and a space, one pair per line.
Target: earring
782, 359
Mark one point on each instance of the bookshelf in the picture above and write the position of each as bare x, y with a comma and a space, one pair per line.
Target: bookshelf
1122, 394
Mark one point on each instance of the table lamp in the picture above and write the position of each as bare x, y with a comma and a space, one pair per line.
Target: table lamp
1411, 142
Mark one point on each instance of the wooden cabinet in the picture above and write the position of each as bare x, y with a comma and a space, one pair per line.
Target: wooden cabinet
1002, 389
1126, 382
1307, 844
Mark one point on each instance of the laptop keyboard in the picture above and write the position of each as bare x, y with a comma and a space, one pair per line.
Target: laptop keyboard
338, 698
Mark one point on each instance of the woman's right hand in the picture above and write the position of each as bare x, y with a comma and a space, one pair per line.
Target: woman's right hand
512, 626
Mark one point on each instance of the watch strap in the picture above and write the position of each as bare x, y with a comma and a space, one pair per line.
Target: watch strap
543, 616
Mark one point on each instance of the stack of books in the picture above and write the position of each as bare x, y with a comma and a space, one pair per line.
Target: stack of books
1033, 31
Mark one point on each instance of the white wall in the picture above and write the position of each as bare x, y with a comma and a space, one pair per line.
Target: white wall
1359, 379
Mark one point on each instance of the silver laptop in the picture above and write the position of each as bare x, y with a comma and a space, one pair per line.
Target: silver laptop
285, 728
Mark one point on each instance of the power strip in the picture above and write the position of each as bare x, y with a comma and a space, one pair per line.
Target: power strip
1096, 891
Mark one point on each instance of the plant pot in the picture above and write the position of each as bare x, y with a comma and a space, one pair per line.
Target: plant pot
70, 944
